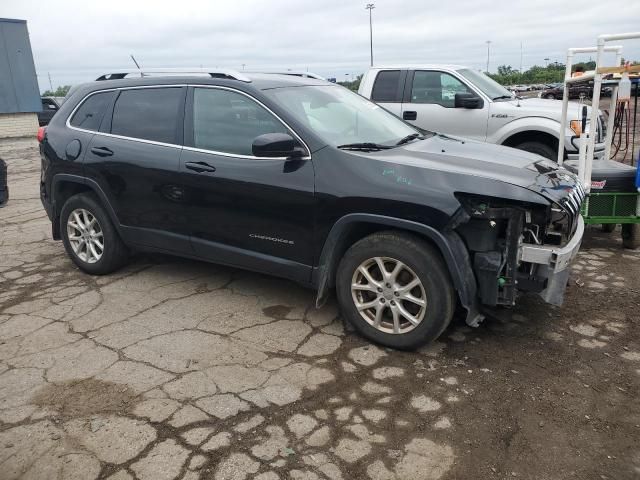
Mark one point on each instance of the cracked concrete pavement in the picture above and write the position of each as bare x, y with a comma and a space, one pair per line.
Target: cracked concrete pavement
178, 369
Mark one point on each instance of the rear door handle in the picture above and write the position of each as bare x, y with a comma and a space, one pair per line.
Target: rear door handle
102, 151
409, 115
200, 167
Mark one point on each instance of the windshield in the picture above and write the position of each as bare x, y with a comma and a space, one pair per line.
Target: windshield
489, 87
340, 116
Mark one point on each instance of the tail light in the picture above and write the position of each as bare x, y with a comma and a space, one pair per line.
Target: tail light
41, 132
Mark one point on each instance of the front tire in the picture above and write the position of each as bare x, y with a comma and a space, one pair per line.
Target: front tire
539, 148
89, 236
395, 290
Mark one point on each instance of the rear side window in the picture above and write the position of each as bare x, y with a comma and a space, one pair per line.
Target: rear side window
148, 114
386, 86
90, 113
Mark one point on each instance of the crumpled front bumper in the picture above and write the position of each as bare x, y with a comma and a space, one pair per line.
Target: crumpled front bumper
553, 263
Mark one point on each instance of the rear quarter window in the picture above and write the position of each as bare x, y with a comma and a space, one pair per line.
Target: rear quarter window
91, 111
386, 87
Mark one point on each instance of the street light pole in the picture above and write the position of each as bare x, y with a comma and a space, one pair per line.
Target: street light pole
370, 7
488, 42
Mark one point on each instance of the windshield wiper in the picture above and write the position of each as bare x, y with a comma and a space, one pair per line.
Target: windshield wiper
408, 138
364, 146
502, 96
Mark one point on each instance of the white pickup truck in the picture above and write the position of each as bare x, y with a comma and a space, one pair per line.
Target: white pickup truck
463, 102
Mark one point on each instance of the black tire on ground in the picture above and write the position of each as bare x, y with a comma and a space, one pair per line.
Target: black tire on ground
114, 254
427, 265
631, 235
539, 148
608, 227
550, 96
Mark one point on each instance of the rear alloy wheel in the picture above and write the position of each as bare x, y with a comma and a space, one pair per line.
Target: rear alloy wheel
85, 235
89, 236
394, 288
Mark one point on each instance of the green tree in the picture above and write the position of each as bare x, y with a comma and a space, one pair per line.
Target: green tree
353, 84
61, 91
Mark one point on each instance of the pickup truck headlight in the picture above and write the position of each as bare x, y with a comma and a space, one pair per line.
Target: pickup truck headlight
576, 126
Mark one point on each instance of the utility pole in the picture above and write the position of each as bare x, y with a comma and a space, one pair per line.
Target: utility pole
546, 62
520, 58
488, 42
370, 7
243, 65
50, 84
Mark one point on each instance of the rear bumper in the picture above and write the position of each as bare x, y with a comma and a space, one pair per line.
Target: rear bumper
553, 264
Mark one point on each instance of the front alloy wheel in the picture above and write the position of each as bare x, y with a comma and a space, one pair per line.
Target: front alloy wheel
85, 235
388, 295
394, 289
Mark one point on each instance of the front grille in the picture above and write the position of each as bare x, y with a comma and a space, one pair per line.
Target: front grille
572, 204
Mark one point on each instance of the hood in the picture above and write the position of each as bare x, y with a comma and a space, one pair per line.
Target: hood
542, 107
488, 161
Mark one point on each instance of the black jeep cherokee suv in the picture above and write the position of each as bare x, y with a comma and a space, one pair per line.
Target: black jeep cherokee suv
303, 179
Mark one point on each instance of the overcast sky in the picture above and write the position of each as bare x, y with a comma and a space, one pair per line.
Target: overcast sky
75, 40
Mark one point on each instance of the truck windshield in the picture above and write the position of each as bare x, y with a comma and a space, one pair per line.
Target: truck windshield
342, 117
489, 87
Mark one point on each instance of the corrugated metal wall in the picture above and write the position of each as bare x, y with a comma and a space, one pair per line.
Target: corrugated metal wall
19, 90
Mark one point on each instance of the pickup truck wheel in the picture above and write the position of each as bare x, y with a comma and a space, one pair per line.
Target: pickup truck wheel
550, 96
395, 290
540, 148
631, 235
89, 237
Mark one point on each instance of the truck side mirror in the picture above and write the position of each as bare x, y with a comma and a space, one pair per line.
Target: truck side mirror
467, 100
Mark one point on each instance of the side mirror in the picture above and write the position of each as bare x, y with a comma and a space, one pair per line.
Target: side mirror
274, 145
468, 100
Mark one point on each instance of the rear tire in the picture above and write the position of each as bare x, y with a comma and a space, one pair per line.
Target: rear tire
386, 320
631, 235
539, 148
89, 236
550, 97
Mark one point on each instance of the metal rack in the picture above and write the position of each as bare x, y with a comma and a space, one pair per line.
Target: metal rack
146, 72
601, 207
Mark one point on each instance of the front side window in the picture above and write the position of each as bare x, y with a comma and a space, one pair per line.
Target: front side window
340, 116
437, 88
228, 122
89, 115
147, 113
489, 86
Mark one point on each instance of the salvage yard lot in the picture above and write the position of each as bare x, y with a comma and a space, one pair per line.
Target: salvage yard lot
177, 369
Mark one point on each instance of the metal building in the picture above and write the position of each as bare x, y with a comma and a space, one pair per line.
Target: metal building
19, 93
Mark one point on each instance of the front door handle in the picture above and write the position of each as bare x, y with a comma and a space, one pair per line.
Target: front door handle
409, 115
102, 151
200, 167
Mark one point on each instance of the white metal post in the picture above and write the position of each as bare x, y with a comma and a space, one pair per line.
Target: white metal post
593, 121
565, 107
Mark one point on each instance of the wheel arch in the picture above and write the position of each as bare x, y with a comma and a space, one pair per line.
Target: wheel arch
532, 136
64, 186
352, 227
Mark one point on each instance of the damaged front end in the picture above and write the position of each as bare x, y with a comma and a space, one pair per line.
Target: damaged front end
519, 247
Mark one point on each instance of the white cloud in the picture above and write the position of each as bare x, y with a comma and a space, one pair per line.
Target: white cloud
75, 40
